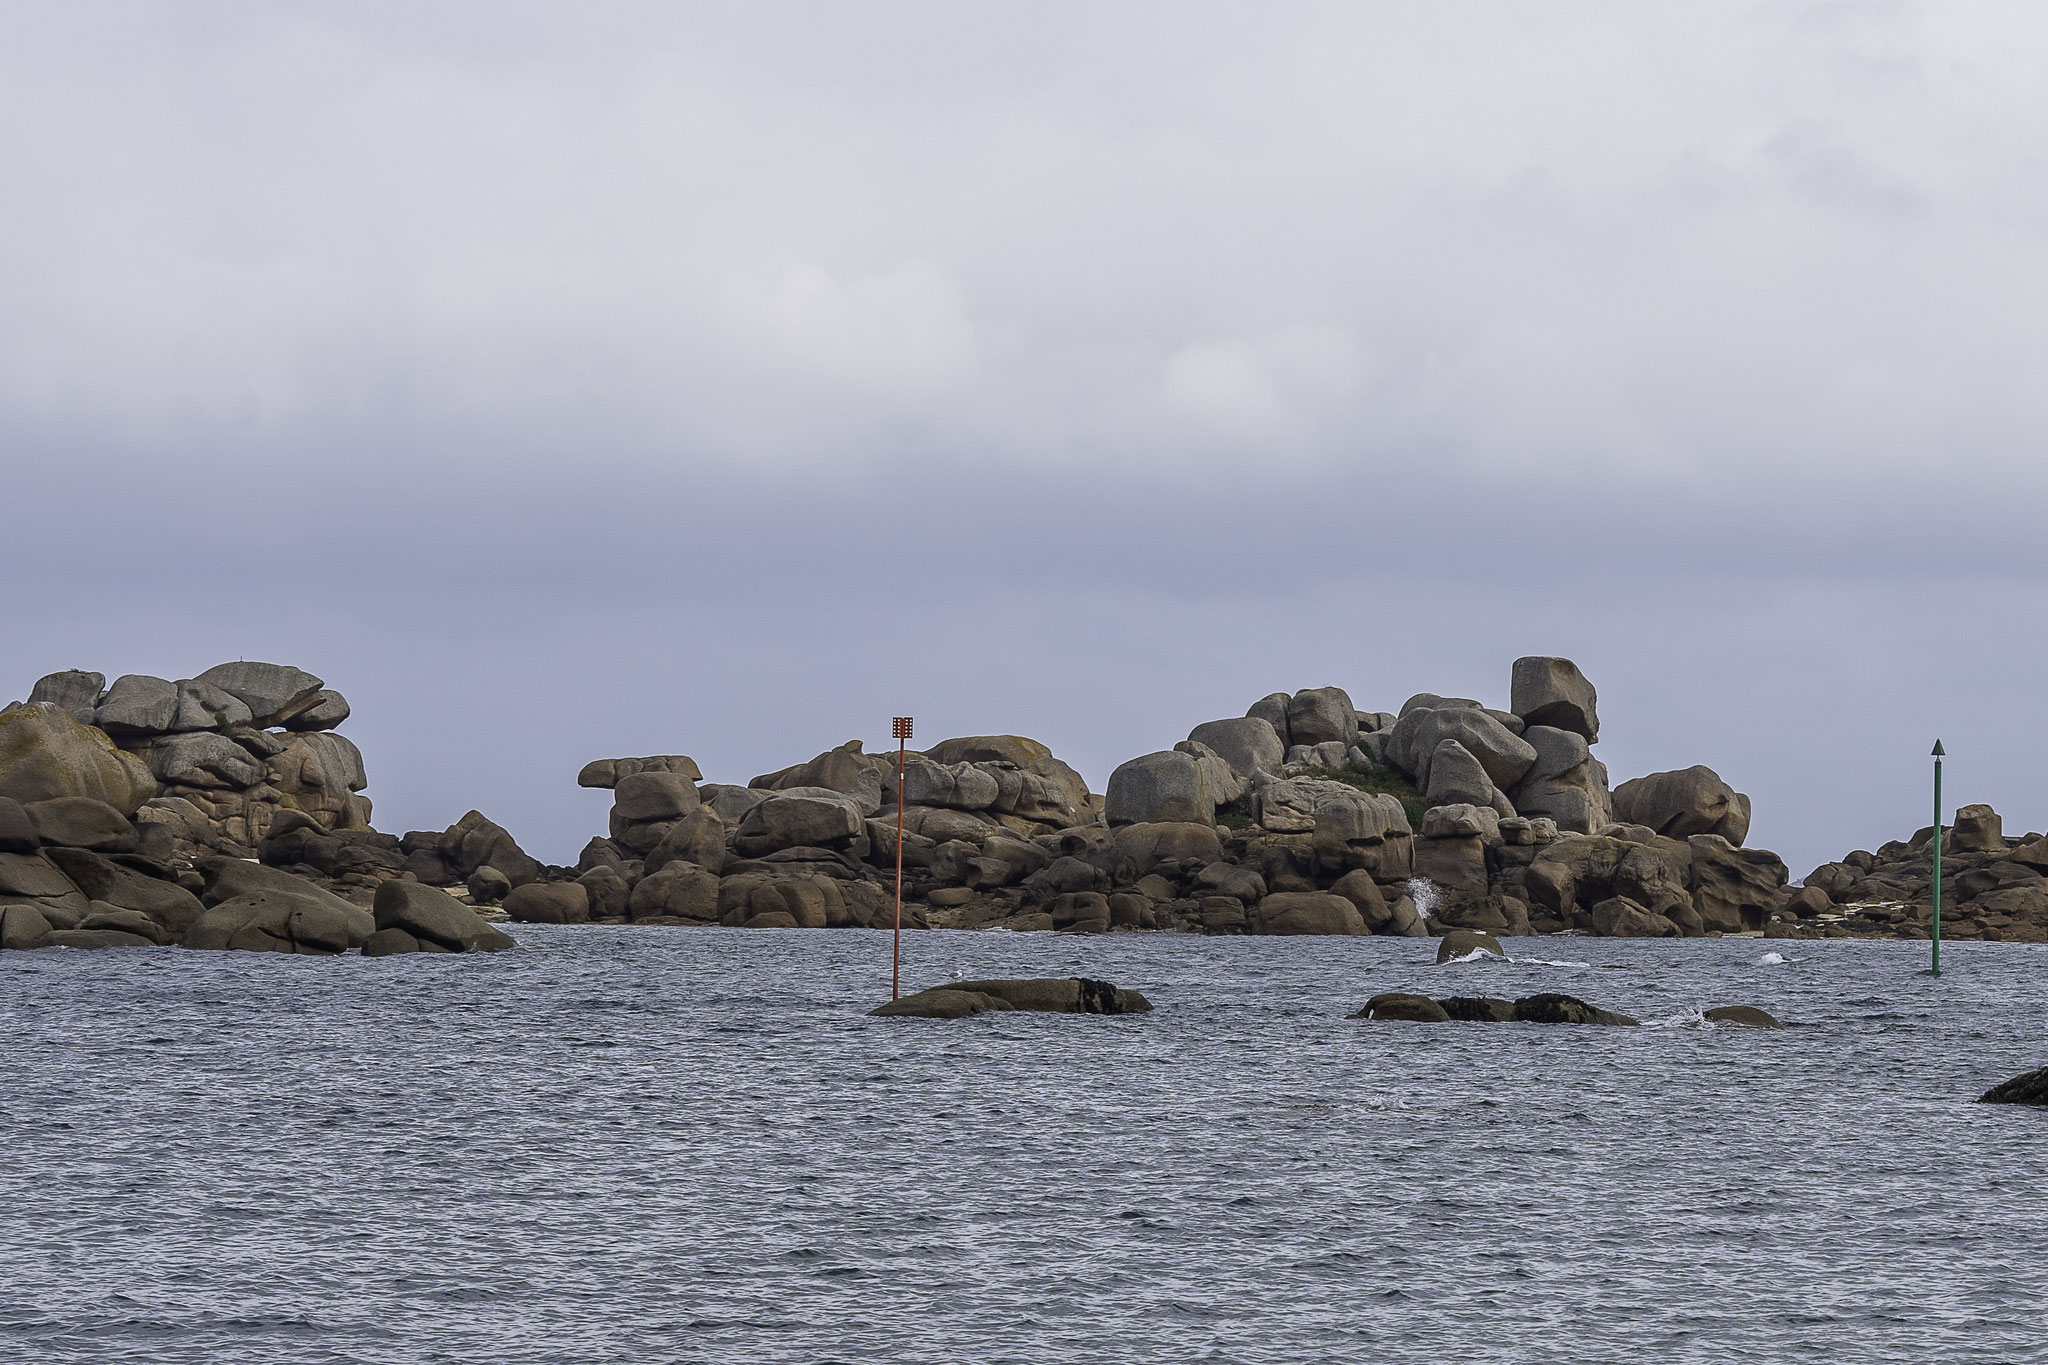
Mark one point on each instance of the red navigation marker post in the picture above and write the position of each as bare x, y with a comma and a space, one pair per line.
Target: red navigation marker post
901, 728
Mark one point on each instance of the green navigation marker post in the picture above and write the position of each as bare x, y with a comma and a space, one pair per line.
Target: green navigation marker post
1937, 858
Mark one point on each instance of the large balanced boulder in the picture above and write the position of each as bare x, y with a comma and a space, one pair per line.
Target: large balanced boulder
1052, 995
1164, 787
1552, 691
1249, 744
2030, 1088
1683, 803
46, 753
1321, 715
76, 690
427, 914
274, 693
328, 710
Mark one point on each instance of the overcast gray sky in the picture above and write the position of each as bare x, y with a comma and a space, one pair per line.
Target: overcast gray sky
568, 381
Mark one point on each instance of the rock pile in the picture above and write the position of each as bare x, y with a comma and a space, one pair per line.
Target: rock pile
130, 816
1994, 887
215, 759
1303, 816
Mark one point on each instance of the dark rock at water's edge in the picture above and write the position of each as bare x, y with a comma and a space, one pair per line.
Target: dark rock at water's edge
2032, 1088
1051, 995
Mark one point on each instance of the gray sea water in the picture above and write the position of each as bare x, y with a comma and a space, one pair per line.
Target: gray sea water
691, 1145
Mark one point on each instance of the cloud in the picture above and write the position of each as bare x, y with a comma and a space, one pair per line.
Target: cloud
1105, 235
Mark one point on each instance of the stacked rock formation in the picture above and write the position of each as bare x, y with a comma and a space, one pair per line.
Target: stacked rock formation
1303, 816
127, 815
1994, 887
218, 758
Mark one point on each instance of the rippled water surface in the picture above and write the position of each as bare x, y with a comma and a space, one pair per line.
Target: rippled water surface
685, 1145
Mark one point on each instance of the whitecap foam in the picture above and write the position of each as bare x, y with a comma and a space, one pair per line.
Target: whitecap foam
1773, 960
1546, 962
1690, 1019
1476, 955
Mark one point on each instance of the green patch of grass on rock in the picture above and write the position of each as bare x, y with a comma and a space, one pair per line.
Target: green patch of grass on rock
1377, 780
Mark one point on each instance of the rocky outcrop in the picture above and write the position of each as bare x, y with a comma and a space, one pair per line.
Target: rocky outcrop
1994, 890
1306, 815
219, 757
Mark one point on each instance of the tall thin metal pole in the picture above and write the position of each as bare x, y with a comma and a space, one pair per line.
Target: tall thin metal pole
1937, 858
902, 728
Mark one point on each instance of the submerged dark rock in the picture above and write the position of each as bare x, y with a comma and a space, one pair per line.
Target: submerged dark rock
2032, 1088
1745, 1016
1405, 1007
1460, 942
1051, 995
